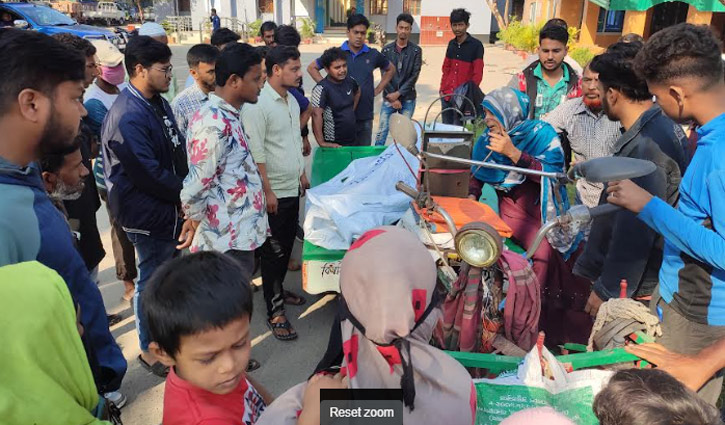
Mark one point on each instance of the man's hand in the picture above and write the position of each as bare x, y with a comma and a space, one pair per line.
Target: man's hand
304, 184
306, 147
271, 202
502, 144
685, 369
397, 105
392, 97
628, 195
593, 304
188, 230
311, 399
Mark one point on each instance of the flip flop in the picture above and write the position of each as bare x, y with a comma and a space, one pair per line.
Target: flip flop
291, 333
114, 319
253, 365
157, 368
289, 297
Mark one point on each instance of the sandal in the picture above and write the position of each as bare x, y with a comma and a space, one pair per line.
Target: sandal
290, 298
286, 325
114, 319
157, 368
253, 365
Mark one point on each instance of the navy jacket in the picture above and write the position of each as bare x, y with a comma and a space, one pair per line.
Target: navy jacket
138, 165
33, 229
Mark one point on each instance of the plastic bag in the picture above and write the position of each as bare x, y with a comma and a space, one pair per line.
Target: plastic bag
570, 393
360, 198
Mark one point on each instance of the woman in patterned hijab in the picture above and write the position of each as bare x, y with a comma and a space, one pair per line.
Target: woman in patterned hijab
387, 286
526, 201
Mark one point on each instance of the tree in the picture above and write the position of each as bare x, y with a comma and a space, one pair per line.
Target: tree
502, 20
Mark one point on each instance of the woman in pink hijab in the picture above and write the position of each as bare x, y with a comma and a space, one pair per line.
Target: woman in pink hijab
389, 310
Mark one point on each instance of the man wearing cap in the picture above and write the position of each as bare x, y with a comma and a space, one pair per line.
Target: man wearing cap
98, 100
158, 33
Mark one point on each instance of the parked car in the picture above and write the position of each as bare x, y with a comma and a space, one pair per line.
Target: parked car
49, 21
108, 12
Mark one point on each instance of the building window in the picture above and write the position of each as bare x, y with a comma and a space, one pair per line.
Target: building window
378, 7
265, 6
411, 6
532, 13
610, 20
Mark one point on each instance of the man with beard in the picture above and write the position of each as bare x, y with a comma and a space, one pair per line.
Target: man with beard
41, 87
201, 59
63, 174
549, 81
144, 167
273, 126
620, 246
586, 132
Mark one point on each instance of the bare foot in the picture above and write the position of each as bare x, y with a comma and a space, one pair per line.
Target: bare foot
130, 288
293, 265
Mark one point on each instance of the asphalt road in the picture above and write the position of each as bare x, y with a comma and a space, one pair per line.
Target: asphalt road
284, 364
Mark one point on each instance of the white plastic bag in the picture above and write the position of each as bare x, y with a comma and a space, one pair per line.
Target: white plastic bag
360, 198
570, 393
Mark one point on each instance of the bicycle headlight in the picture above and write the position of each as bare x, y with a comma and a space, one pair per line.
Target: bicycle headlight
479, 244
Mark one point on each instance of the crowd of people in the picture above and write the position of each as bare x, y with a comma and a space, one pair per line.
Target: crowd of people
203, 188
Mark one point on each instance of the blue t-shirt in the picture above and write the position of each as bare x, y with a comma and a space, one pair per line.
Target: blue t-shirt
692, 277
360, 66
215, 23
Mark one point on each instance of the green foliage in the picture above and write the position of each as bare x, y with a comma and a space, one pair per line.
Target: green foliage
583, 55
166, 25
254, 27
308, 28
526, 36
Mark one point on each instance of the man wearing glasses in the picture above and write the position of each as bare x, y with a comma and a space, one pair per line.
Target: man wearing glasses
145, 165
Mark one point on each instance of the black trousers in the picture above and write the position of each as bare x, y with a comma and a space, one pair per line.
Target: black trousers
245, 260
450, 116
276, 252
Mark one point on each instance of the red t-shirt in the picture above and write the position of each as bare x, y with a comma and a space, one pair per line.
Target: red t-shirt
185, 404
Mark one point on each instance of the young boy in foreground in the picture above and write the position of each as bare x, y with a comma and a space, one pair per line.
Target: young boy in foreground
198, 309
334, 100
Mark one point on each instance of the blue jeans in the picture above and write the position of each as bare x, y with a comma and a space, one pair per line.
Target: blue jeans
152, 253
385, 111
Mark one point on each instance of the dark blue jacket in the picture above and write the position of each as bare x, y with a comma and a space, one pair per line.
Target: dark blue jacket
138, 165
33, 229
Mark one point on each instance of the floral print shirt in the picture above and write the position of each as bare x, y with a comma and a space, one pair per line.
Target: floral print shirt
223, 189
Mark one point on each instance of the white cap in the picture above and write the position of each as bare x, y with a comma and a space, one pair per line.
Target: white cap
151, 29
108, 54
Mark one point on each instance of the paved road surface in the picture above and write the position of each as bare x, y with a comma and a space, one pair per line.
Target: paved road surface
283, 363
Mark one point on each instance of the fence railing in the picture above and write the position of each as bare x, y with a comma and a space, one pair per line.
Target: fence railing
233, 24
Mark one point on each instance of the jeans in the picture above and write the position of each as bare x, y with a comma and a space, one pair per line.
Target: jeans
246, 261
385, 111
276, 252
451, 116
363, 133
152, 253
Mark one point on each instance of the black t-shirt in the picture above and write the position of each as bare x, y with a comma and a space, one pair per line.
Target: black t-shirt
337, 101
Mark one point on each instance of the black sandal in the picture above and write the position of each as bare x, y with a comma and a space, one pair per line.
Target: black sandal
290, 298
291, 333
157, 368
114, 319
253, 365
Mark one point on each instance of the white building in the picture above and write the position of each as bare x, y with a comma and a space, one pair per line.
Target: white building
431, 16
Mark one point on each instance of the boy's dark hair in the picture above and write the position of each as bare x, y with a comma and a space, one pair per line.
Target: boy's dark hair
32, 60
236, 59
405, 17
460, 15
682, 51
76, 43
554, 32
262, 50
213, 10
556, 22
331, 55
616, 70
287, 35
193, 294
631, 37
357, 19
201, 53
279, 56
651, 397
146, 51
53, 162
223, 36
267, 26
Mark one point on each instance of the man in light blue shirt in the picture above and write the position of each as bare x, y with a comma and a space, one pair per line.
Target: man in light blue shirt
684, 71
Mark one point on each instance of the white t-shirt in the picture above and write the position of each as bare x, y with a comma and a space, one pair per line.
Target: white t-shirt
95, 92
